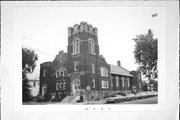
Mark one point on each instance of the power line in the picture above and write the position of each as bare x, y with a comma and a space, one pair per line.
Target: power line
38, 50
67, 59
48, 45
37, 41
55, 55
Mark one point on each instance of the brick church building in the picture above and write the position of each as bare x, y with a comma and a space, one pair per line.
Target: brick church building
82, 71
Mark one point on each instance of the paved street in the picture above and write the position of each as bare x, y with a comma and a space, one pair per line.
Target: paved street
152, 100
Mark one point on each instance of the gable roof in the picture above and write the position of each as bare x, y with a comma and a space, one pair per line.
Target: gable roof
35, 74
119, 70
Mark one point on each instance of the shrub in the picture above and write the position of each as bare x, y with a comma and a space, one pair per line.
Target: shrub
56, 99
47, 96
38, 97
78, 101
81, 98
134, 92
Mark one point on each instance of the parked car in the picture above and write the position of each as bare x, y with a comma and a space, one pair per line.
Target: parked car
115, 99
130, 97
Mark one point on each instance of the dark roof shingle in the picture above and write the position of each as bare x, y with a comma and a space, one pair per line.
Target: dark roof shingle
119, 70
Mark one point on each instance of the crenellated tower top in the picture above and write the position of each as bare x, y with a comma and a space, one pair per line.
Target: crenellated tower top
83, 26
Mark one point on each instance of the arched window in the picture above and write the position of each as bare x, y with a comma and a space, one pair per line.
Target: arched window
107, 84
123, 81
76, 46
44, 72
117, 81
128, 82
104, 71
93, 68
44, 89
91, 46
94, 83
60, 72
111, 81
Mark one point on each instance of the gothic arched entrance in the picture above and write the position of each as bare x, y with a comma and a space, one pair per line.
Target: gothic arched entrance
44, 89
75, 85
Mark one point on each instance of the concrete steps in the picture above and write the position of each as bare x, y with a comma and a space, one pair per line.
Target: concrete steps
66, 99
70, 99
75, 99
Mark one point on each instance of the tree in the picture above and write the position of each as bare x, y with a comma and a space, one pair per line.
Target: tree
145, 54
29, 58
145, 86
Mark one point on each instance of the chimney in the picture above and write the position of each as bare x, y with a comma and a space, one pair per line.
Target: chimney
61, 52
119, 63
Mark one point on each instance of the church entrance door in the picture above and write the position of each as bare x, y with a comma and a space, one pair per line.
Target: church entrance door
76, 87
44, 89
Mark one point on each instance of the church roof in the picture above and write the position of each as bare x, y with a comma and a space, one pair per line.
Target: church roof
119, 70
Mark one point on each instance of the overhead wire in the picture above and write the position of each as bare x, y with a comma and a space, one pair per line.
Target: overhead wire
37, 41
66, 59
100, 61
38, 50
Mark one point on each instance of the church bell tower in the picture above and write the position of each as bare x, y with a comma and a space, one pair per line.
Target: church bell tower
83, 55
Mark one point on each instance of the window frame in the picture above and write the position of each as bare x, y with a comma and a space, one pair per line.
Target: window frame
93, 68
57, 86
128, 82
117, 81
123, 81
101, 71
59, 71
91, 45
94, 83
64, 85
139, 85
76, 46
75, 66
34, 83
60, 85
44, 72
58, 74
111, 81
107, 84
104, 71
103, 84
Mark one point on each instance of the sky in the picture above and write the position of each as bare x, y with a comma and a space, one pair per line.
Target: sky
45, 29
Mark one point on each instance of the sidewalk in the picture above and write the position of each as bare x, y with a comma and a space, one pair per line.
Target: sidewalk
66, 101
131, 95
93, 102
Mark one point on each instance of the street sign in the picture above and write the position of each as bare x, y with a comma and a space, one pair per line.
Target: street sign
88, 88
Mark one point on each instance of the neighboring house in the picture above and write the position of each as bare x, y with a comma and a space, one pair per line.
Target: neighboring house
82, 69
34, 81
34, 87
137, 81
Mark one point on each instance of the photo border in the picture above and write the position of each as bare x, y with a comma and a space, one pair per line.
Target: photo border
14, 46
